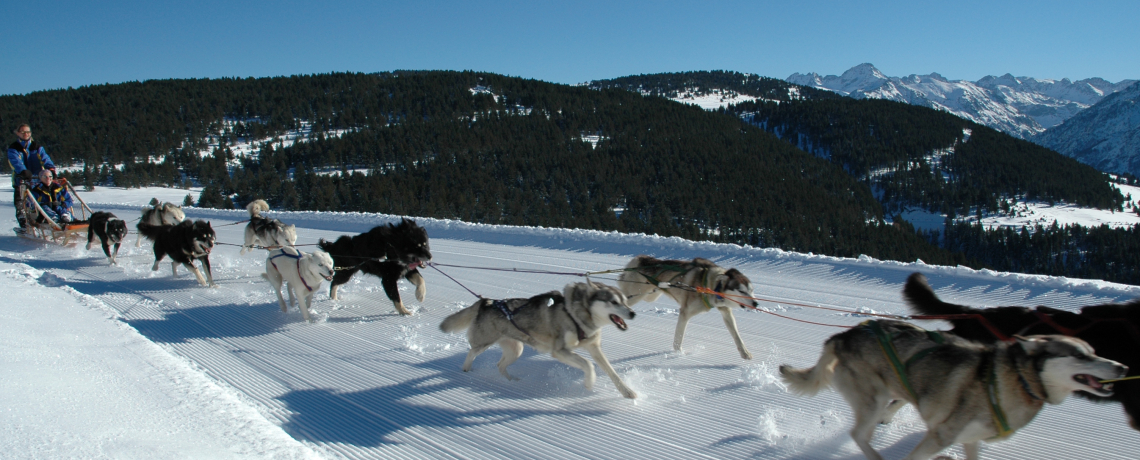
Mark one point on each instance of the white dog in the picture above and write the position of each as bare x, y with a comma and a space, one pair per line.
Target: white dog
302, 271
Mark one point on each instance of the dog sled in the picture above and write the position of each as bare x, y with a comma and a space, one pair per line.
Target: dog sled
48, 229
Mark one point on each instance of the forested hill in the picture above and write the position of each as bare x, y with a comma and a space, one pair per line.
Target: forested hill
479, 147
912, 155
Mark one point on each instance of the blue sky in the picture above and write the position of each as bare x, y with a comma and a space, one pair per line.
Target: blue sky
56, 44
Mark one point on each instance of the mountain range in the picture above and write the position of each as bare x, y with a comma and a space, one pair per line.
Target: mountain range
1106, 135
1023, 107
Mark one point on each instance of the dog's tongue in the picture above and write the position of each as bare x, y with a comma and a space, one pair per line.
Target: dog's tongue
1093, 382
618, 322
414, 265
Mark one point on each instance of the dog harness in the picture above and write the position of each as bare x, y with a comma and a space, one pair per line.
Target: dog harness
578, 327
502, 306
886, 342
657, 284
998, 415
298, 257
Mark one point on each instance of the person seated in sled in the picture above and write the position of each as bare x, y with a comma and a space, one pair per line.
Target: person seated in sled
53, 198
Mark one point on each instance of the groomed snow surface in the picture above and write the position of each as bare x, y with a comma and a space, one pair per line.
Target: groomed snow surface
104, 361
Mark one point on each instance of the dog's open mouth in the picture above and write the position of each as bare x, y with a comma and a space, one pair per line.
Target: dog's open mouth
618, 322
415, 265
1094, 383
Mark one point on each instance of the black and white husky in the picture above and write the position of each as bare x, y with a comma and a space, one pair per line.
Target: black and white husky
184, 243
111, 230
159, 213
268, 233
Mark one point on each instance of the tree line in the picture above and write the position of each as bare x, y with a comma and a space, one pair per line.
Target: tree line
491, 149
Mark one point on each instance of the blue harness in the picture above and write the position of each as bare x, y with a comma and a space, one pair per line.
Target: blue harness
298, 257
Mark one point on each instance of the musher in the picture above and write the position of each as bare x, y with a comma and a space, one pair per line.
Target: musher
27, 158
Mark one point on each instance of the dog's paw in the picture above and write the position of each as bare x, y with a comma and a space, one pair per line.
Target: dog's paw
745, 354
628, 393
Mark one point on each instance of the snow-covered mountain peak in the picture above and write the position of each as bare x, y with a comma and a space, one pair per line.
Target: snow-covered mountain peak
1019, 106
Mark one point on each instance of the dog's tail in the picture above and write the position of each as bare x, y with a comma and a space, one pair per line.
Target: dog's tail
921, 298
149, 231
256, 208
808, 382
463, 318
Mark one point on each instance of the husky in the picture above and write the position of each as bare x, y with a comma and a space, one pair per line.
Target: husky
555, 322
159, 213
266, 232
184, 243
390, 252
111, 230
965, 391
302, 271
645, 278
1113, 330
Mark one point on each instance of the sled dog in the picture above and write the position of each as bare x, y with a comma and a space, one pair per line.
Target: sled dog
1113, 330
391, 252
304, 273
159, 213
111, 230
555, 322
266, 232
184, 243
965, 391
646, 278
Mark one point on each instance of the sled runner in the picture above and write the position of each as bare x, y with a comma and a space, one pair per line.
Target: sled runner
49, 230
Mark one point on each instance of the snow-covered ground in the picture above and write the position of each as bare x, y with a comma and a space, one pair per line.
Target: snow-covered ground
1033, 213
122, 362
712, 99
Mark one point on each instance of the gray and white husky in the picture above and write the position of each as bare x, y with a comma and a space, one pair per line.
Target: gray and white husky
646, 278
555, 323
965, 391
159, 213
304, 273
266, 232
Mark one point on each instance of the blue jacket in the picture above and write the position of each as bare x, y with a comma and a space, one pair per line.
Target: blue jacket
53, 197
30, 156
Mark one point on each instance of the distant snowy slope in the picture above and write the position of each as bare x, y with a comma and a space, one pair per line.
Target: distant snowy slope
1019, 106
1106, 136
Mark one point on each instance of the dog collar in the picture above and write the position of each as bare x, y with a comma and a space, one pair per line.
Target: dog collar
705, 297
